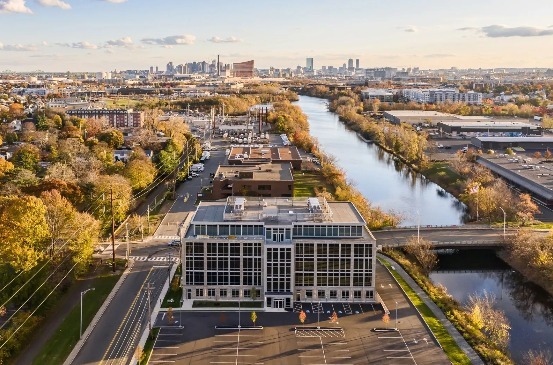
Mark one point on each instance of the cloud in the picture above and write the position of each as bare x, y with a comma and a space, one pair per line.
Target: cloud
174, 40
55, 3
17, 47
14, 6
410, 29
122, 42
224, 40
80, 45
501, 31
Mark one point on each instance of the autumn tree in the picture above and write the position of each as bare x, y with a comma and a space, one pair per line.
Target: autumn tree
104, 187
302, 317
23, 231
421, 250
253, 317
386, 319
526, 209
170, 317
27, 157
60, 218
491, 321
538, 357
113, 137
5, 167
140, 172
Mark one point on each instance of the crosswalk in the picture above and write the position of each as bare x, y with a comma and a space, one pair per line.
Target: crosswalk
154, 259
166, 237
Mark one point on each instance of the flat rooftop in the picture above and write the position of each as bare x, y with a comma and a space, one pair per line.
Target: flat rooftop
277, 211
516, 139
489, 124
268, 171
418, 113
274, 153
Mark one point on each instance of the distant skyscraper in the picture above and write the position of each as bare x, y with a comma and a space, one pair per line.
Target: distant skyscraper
309, 64
357, 63
350, 64
170, 69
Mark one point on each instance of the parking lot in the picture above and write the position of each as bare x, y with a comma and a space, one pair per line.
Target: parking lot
284, 340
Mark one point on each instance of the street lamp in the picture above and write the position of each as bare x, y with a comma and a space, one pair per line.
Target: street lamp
81, 326
396, 315
504, 221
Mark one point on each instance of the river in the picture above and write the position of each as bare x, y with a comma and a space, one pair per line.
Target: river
385, 183
393, 187
528, 307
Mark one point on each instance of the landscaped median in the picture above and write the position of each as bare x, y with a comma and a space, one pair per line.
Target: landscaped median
145, 354
58, 347
450, 347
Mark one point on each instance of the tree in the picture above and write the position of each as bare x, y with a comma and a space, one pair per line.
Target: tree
421, 250
334, 317
170, 318
547, 155
302, 317
537, 155
386, 319
491, 321
60, 218
23, 231
103, 187
140, 173
541, 357
253, 293
253, 317
27, 157
113, 137
5, 167
526, 209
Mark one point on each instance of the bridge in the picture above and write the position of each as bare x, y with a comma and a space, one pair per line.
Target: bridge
448, 237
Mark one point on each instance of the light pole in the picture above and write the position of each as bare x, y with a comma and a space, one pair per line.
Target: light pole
81, 326
504, 221
396, 315
418, 226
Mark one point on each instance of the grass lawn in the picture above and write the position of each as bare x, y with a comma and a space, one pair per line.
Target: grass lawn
451, 349
441, 172
149, 346
305, 183
174, 294
58, 347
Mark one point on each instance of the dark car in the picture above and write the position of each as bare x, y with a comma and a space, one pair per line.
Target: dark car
174, 243
447, 147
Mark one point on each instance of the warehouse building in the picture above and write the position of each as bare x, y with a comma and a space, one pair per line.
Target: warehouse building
487, 128
501, 143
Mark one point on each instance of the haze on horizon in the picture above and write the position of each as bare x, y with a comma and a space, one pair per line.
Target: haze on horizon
95, 35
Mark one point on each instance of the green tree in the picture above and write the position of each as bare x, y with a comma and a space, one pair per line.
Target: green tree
23, 231
27, 157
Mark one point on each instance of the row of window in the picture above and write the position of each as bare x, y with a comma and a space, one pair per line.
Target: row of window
223, 278
223, 293
333, 250
298, 230
333, 294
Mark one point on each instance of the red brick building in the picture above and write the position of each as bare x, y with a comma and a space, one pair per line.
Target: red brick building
117, 118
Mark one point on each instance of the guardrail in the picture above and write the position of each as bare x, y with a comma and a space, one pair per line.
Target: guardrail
452, 243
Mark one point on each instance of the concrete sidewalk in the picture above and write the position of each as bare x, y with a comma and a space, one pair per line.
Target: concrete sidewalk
465, 347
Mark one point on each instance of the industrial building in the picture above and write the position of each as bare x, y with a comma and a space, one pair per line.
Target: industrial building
278, 250
267, 180
243, 69
259, 155
487, 128
501, 143
416, 116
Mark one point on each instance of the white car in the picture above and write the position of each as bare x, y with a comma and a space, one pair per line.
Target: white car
193, 174
439, 145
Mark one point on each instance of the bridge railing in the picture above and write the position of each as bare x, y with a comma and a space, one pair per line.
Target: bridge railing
430, 226
451, 243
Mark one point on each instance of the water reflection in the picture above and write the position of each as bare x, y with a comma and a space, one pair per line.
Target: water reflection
384, 180
528, 307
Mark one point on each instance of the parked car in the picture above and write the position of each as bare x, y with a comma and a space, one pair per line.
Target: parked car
174, 243
193, 174
439, 145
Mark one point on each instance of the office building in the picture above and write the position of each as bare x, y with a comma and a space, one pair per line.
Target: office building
267, 180
309, 64
243, 69
350, 64
441, 96
284, 249
357, 63
116, 118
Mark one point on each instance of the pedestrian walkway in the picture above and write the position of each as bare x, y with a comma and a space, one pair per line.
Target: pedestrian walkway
166, 237
461, 342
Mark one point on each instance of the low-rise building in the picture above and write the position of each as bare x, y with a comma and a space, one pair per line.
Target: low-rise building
380, 94
278, 250
498, 128
258, 155
267, 180
117, 118
501, 143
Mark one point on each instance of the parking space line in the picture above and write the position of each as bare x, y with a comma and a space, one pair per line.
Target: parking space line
390, 337
396, 350
166, 347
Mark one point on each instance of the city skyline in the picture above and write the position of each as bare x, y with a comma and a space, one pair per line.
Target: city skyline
95, 35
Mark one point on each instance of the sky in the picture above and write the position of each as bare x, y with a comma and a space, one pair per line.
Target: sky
107, 35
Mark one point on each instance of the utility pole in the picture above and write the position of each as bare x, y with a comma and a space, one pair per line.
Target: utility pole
112, 229
148, 221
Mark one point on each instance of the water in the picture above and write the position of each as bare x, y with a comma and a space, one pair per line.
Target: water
384, 182
528, 308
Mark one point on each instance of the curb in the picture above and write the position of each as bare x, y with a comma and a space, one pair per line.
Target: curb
97, 317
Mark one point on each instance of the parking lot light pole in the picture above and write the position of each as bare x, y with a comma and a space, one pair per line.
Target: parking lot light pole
396, 315
81, 322
504, 221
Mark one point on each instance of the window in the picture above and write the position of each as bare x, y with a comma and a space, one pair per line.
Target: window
369, 294
264, 187
309, 293
222, 293
321, 294
333, 294
247, 293
235, 293
345, 294
357, 294
199, 292
211, 293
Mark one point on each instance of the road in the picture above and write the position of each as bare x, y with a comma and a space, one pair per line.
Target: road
441, 235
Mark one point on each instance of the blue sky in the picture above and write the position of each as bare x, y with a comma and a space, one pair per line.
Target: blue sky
103, 35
